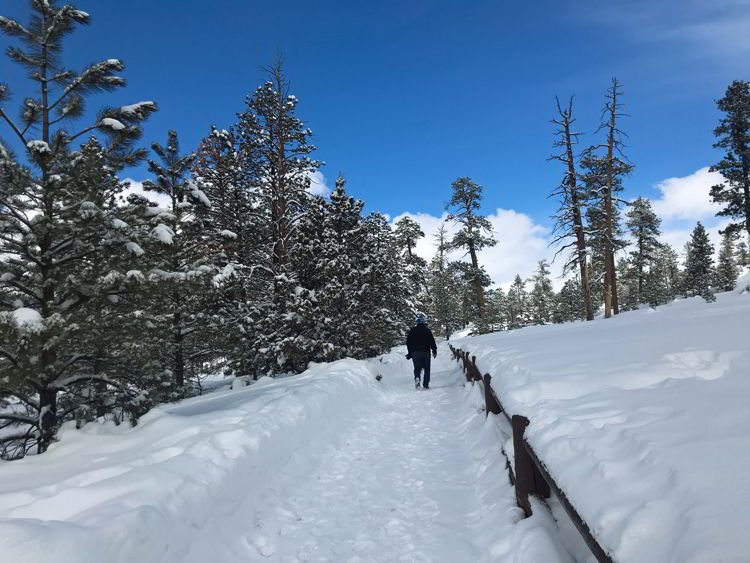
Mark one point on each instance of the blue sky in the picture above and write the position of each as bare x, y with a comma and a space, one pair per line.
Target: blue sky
404, 97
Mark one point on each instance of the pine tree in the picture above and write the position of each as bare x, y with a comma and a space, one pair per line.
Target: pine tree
275, 147
542, 296
388, 307
408, 232
442, 287
614, 169
218, 172
743, 256
627, 284
568, 221
56, 219
181, 257
604, 230
733, 134
517, 304
727, 270
664, 279
497, 309
644, 230
569, 304
475, 233
699, 265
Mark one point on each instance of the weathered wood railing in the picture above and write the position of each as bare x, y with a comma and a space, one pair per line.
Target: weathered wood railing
529, 474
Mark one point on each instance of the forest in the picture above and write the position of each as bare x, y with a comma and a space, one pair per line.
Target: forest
112, 303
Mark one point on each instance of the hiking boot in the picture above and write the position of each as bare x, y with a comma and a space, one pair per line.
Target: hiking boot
417, 381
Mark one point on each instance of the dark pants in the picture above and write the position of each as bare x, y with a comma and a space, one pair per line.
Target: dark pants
422, 362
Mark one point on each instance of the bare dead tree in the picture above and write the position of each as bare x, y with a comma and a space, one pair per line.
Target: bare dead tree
569, 229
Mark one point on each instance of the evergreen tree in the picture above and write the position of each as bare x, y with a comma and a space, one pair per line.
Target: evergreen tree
727, 270
568, 221
542, 297
181, 260
408, 232
275, 147
664, 279
497, 309
644, 229
58, 218
569, 304
517, 304
627, 282
475, 233
699, 265
442, 287
614, 167
218, 172
743, 256
388, 308
733, 134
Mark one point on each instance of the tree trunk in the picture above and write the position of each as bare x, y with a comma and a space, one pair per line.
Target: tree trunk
47, 418
578, 224
477, 281
178, 361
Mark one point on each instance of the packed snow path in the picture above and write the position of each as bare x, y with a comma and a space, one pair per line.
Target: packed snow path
331, 465
394, 488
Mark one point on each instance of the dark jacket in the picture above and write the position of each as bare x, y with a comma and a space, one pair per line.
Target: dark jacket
420, 339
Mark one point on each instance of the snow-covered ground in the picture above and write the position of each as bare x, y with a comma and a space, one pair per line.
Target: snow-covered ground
331, 465
643, 420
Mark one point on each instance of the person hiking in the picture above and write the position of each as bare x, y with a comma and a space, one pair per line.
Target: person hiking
419, 342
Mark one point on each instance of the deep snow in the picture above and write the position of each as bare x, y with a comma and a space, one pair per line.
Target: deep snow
643, 420
331, 465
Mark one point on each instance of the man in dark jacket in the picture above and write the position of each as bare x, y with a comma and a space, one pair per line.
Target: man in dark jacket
419, 342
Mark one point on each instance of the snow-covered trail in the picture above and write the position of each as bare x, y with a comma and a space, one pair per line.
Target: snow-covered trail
399, 483
331, 465
393, 489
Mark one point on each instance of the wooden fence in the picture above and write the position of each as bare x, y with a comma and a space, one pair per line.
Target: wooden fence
529, 473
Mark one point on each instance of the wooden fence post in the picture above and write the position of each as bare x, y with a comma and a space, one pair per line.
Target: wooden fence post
524, 467
490, 403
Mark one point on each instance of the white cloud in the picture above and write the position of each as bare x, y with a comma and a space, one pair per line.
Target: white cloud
706, 28
521, 244
687, 197
318, 184
136, 187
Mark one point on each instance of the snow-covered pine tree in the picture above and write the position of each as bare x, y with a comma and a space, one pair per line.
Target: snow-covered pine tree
664, 279
340, 272
517, 304
614, 168
569, 304
542, 296
180, 258
627, 284
57, 217
743, 256
727, 270
699, 265
475, 232
387, 303
408, 232
275, 146
733, 134
644, 230
218, 173
605, 236
442, 287
569, 229
497, 309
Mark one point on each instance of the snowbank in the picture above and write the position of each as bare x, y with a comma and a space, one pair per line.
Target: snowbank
120, 494
642, 419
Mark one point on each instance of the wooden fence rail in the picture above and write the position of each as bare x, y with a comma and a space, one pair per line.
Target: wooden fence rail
529, 473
